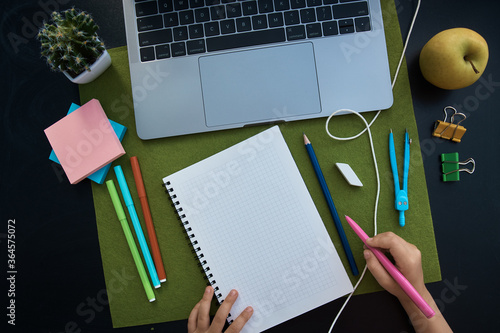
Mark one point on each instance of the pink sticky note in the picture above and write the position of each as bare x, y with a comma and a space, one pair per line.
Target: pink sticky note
84, 141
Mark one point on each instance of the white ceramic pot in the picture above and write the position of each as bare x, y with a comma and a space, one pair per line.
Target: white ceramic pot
97, 68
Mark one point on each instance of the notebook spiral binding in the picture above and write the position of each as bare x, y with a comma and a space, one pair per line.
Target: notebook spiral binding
191, 237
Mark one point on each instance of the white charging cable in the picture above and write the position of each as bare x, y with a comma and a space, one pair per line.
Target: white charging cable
367, 128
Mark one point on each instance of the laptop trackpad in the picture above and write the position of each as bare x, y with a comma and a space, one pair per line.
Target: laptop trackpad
261, 85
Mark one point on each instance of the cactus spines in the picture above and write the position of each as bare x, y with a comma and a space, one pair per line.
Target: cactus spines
71, 42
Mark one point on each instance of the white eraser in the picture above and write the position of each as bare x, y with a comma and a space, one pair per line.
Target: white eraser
348, 173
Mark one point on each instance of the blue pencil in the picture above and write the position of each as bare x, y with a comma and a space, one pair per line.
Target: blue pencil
329, 200
137, 225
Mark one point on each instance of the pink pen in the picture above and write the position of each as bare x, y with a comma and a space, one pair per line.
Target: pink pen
394, 272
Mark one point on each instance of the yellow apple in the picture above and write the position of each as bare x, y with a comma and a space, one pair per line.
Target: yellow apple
454, 58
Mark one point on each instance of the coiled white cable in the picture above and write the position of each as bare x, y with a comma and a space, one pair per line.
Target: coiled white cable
367, 128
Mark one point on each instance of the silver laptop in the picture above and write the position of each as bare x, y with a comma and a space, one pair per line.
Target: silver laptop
207, 65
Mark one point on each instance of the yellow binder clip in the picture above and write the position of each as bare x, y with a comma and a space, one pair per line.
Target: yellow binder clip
450, 130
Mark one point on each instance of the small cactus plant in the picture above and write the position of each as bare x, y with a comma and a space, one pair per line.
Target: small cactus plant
71, 43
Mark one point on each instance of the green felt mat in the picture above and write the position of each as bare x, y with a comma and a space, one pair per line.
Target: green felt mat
159, 158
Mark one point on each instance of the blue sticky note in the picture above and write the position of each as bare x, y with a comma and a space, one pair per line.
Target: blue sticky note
100, 175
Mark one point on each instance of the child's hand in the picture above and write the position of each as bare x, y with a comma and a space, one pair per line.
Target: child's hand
407, 259
199, 319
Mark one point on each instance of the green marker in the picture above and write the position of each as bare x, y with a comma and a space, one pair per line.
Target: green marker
130, 239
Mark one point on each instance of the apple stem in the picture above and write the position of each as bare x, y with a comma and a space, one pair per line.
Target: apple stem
466, 58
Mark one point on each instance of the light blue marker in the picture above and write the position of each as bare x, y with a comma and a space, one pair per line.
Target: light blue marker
137, 225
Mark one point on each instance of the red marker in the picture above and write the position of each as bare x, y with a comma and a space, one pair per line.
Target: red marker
141, 191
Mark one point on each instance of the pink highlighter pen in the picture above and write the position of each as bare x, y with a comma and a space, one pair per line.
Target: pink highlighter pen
394, 272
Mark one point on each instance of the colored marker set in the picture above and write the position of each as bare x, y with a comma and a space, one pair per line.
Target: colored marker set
154, 263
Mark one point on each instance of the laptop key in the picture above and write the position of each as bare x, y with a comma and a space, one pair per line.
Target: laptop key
259, 22
347, 29
162, 51
324, 13
292, 17
295, 32
296, 4
155, 37
307, 15
146, 8
281, 5
165, 6
330, 28
346, 23
243, 24
313, 30
217, 13
233, 10
196, 46
249, 7
314, 3
196, 3
180, 33
211, 29
149, 23
178, 49
186, 17
181, 4
202, 15
171, 19
196, 31
147, 53
245, 39
265, 6
227, 27
350, 10
362, 24
275, 20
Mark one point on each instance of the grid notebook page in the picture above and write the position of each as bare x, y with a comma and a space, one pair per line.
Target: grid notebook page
256, 229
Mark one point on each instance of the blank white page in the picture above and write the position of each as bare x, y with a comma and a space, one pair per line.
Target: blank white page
250, 214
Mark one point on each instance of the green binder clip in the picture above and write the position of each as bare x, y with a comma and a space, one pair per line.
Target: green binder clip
451, 166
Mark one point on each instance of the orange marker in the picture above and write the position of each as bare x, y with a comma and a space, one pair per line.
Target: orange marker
141, 191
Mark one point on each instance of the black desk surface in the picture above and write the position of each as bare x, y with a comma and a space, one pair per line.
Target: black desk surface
59, 285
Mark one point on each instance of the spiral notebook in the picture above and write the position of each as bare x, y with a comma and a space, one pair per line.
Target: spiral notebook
255, 228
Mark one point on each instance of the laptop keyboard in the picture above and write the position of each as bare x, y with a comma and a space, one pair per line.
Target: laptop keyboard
174, 28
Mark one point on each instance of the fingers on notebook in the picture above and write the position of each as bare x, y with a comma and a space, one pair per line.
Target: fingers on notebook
199, 319
223, 312
221, 315
242, 319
